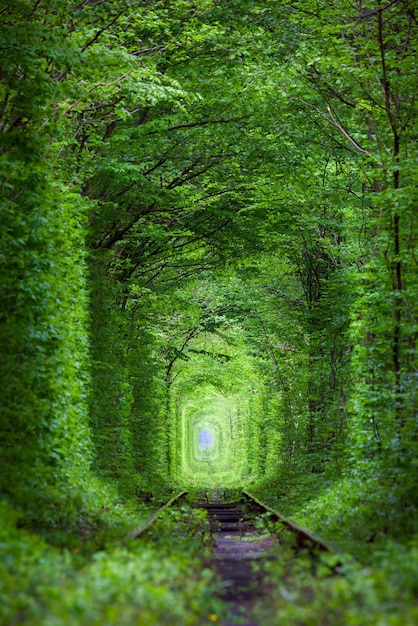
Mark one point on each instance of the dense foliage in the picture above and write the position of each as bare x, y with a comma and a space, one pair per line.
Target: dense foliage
208, 224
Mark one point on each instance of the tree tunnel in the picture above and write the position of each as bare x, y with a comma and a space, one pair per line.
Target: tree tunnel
211, 432
211, 406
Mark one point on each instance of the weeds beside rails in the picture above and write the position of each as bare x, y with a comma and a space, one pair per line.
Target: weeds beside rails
315, 596
155, 580
311, 587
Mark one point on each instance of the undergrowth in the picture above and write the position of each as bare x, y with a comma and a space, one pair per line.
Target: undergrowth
337, 592
101, 578
361, 515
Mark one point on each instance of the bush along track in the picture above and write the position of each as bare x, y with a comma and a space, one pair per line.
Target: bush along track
105, 579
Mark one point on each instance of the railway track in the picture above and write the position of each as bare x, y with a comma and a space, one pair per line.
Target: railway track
238, 557
243, 546
242, 550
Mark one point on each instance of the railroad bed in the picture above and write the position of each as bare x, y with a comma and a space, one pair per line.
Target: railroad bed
238, 557
242, 548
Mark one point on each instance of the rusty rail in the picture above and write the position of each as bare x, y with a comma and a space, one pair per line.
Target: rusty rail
304, 536
141, 529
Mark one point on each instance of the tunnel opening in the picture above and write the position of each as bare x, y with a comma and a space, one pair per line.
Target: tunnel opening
211, 436
212, 401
